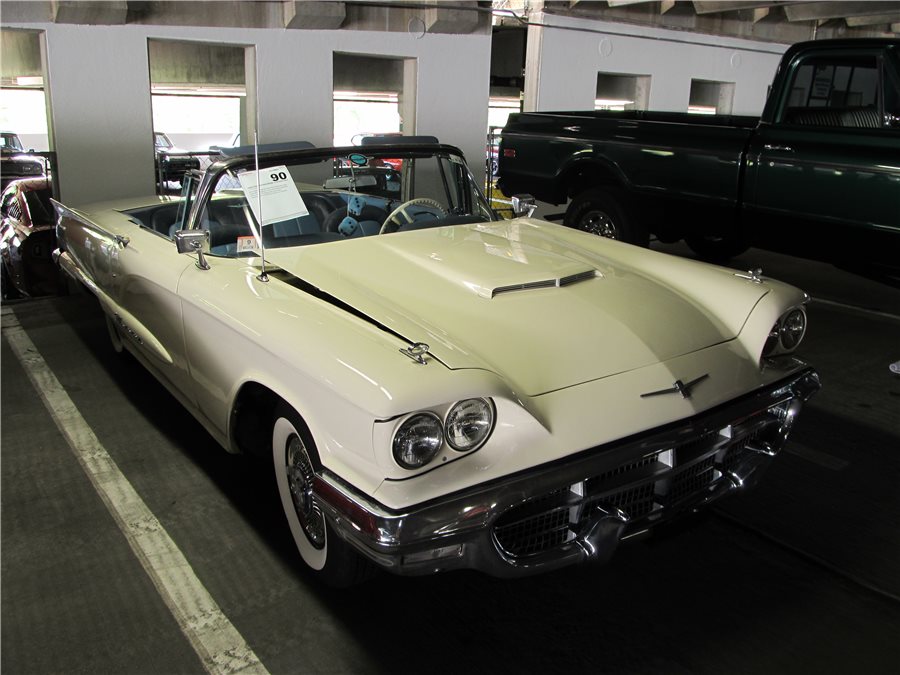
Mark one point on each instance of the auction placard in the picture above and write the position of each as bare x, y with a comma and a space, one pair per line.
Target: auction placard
274, 194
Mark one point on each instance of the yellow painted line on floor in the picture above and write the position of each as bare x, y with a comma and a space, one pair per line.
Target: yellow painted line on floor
222, 650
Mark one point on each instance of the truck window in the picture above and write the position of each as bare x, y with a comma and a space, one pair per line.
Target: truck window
834, 91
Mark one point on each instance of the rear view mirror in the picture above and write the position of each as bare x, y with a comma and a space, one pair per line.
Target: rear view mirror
523, 206
193, 241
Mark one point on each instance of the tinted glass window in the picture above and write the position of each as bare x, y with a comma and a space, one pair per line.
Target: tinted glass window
822, 83
835, 91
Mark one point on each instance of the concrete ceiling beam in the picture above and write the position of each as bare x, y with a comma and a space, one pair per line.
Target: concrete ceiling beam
710, 7
89, 13
874, 20
759, 14
814, 11
311, 14
666, 5
452, 20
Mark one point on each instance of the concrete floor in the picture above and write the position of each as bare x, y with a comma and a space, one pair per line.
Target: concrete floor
800, 576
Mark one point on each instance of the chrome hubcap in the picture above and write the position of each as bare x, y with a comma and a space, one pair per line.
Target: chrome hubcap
300, 476
599, 223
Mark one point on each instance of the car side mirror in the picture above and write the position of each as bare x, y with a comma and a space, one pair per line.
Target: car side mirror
193, 241
523, 206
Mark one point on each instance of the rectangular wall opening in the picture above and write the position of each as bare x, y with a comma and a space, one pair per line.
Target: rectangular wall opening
620, 91
373, 95
199, 100
709, 97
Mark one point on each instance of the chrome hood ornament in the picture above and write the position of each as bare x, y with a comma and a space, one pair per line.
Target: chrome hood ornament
416, 352
754, 275
679, 387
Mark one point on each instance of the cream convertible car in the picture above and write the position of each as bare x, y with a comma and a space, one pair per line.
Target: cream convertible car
439, 388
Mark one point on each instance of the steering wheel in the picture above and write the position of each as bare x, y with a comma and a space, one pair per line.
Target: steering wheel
393, 223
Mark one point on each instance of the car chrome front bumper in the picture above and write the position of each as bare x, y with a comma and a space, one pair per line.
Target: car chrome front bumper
578, 509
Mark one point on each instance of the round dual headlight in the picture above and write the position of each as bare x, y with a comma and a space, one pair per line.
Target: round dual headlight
787, 333
418, 440
793, 328
469, 423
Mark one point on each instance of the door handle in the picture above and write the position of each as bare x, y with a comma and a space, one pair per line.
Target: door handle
778, 148
122, 241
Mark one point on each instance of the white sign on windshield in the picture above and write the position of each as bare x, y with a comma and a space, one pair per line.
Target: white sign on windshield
278, 195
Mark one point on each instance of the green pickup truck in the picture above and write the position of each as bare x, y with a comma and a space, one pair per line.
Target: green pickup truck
818, 172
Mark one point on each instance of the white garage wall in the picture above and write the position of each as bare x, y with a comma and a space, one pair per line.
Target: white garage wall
99, 84
563, 64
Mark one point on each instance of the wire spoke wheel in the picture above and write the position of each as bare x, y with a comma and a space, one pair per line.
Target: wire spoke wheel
300, 475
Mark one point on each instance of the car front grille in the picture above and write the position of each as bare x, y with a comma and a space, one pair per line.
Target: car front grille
641, 490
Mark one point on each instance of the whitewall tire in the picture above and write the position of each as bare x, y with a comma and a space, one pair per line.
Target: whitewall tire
296, 461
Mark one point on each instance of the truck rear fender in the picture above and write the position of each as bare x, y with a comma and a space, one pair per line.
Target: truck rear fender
580, 173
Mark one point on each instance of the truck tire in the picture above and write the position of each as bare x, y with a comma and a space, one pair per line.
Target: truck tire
601, 212
717, 248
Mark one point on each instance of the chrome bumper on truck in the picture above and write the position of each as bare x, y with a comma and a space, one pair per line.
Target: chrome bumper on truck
577, 509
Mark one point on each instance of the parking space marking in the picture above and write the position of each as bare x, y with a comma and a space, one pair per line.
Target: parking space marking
221, 648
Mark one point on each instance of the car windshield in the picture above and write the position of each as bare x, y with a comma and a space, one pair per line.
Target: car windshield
161, 140
11, 142
317, 198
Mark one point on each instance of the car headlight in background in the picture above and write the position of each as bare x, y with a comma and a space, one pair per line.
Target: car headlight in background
787, 333
417, 440
469, 423
465, 428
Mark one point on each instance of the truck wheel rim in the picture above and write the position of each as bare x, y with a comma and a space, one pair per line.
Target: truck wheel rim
599, 223
300, 479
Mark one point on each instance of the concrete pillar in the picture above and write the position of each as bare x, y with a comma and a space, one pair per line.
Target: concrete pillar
250, 103
407, 102
102, 126
533, 49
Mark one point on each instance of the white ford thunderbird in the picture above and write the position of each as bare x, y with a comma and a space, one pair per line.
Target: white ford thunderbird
440, 388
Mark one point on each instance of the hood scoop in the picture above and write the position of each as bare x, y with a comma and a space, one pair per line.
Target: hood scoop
547, 283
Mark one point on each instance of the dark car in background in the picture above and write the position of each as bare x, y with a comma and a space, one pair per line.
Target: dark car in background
171, 162
15, 162
27, 239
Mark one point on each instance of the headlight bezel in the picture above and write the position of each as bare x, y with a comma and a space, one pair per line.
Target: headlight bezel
489, 429
409, 421
448, 450
782, 338
788, 331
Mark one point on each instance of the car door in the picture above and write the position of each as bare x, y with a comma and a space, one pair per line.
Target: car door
144, 273
134, 271
826, 167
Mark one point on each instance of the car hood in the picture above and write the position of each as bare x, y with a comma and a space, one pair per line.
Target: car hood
542, 306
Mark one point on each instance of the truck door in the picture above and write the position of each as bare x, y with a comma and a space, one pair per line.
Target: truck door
827, 167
